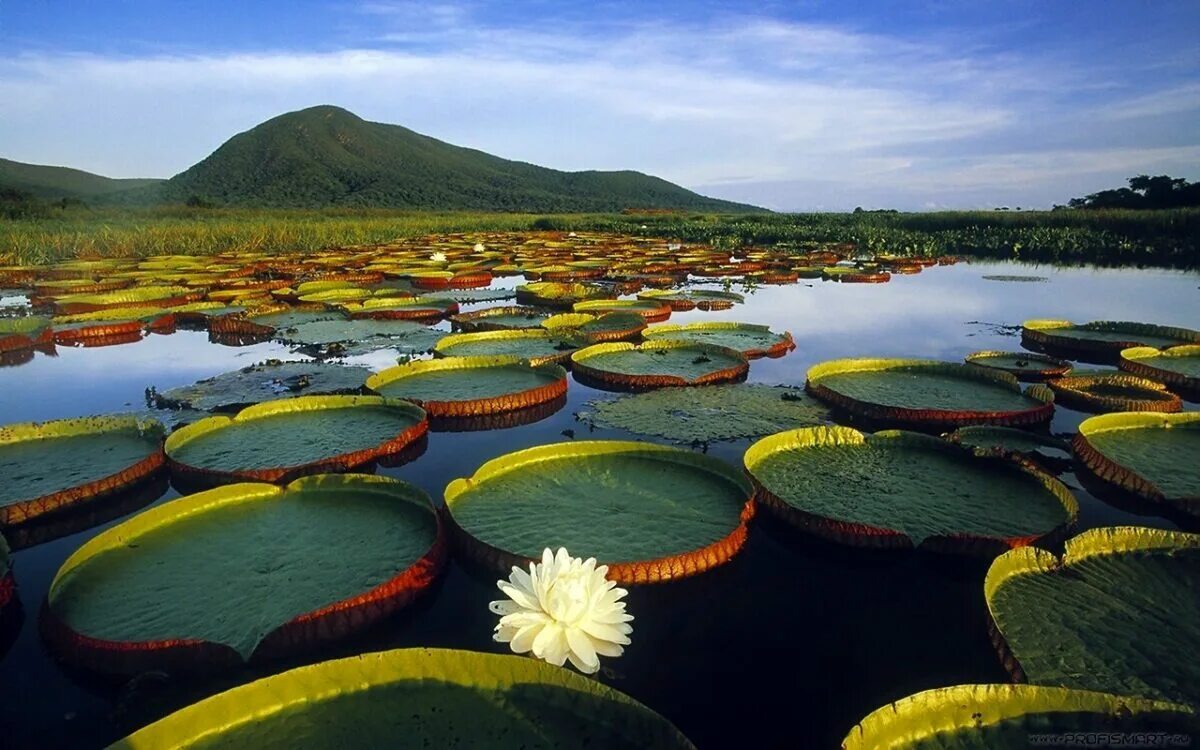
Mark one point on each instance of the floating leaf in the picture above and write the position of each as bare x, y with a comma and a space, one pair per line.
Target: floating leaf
928, 393
471, 386
1113, 392
1115, 614
434, 698
1152, 456
717, 412
903, 489
267, 381
536, 345
657, 364
748, 338
48, 466
649, 512
1007, 717
284, 439
247, 570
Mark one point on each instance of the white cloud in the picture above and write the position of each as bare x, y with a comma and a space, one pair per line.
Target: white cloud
747, 102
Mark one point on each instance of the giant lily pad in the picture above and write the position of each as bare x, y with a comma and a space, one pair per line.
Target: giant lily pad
928, 393
281, 440
471, 386
1152, 456
898, 489
685, 299
1005, 717
1004, 440
1177, 367
751, 340
49, 466
25, 332
499, 318
538, 346
449, 699
1115, 614
1104, 338
657, 364
717, 412
403, 308
246, 571
351, 337
650, 310
592, 329
267, 381
649, 512
1113, 392
555, 294
1024, 365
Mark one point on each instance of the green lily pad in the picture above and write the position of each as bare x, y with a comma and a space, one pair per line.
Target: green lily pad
232, 565
352, 337
928, 392
899, 489
1011, 440
51, 464
1108, 392
649, 512
685, 299
1150, 455
276, 439
471, 386
267, 381
1177, 367
748, 338
1005, 717
658, 363
500, 318
709, 413
535, 345
1118, 613
1024, 365
1105, 336
449, 698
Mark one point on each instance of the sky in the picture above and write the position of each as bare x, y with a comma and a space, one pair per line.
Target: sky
787, 105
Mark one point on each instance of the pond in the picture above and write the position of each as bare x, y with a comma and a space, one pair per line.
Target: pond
790, 644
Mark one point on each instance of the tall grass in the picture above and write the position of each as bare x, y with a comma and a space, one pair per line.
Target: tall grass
1164, 238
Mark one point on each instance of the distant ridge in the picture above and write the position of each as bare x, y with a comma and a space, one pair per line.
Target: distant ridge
327, 156
55, 183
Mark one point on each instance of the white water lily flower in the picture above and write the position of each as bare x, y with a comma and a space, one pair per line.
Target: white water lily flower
563, 608
479, 247
438, 257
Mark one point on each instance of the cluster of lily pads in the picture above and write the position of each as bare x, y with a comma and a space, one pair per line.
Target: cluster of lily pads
949, 459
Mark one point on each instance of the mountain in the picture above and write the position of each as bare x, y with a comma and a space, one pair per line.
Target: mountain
327, 156
54, 183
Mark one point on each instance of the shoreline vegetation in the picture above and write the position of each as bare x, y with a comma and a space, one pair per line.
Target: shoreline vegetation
1113, 237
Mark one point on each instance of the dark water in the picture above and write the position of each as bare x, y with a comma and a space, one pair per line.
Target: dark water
789, 645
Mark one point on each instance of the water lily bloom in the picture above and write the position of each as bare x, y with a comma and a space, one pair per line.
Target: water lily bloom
438, 257
563, 609
479, 247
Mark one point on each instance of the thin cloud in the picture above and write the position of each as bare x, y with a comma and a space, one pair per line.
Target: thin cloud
751, 108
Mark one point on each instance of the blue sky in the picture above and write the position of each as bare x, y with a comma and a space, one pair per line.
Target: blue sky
794, 106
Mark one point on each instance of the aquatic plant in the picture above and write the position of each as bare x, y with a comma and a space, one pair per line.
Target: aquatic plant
563, 609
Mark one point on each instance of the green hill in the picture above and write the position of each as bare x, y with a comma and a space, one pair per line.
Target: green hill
326, 156
54, 183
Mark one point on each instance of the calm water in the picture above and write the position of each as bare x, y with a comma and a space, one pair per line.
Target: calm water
843, 632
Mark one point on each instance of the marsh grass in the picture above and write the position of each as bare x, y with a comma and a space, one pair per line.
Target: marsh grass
1113, 237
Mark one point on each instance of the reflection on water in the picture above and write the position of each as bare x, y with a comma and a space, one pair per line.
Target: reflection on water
842, 630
